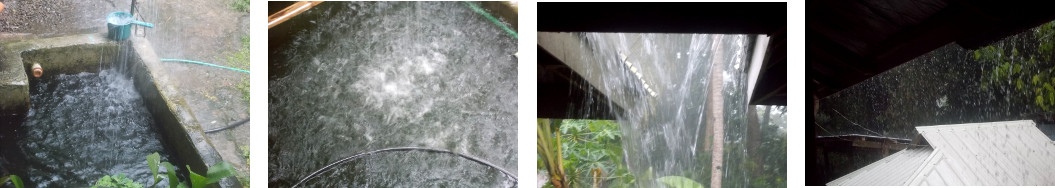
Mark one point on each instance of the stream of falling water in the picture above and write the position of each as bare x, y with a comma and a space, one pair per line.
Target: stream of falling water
361, 76
662, 82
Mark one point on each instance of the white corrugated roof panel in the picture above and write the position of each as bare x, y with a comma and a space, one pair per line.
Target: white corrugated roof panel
996, 153
895, 169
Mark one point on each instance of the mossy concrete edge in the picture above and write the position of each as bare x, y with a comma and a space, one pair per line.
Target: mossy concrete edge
181, 126
14, 81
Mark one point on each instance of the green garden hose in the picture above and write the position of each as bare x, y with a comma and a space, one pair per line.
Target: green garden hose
204, 63
492, 18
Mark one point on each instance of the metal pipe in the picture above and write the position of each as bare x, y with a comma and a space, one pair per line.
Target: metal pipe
289, 12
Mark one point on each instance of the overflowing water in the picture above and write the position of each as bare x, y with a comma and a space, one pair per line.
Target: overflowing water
663, 81
362, 76
120, 19
82, 127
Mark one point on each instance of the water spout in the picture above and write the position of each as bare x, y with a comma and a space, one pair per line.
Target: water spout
37, 71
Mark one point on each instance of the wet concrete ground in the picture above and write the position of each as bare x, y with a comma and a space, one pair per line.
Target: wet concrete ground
201, 30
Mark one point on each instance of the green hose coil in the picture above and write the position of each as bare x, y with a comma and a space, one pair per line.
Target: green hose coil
492, 18
204, 63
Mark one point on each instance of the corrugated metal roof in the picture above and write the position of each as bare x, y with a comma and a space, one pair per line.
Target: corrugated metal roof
996, 153
895, 169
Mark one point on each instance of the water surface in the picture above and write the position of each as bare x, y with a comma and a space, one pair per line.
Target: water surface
82, 127
361, 76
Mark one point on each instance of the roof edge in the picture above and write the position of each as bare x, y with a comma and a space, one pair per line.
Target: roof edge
998, 123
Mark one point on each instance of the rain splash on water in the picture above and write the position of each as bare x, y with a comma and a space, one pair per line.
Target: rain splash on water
663, 83
362, 76
82, 127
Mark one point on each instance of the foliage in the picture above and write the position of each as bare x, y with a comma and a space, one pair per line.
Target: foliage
774, 167
589, 153
240, 60
242, 177
679, 182
117, 181
245, 153
743, 171
13, 179
215, 174
592, 146
1045, 35
593, 152
1029, 74
549, 151
774, 149
240, 5
152, 162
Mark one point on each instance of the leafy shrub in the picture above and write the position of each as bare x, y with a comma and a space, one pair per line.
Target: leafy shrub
215, 174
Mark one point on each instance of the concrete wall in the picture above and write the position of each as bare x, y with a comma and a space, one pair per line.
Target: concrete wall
170, 111
14, 79
70, 59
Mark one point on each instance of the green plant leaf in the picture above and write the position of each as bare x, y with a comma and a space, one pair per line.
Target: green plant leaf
173, 179
679, 182
105, 181
196, 181
1051, 97
1040, 100
116, 181
1019, 85
128, 183
152, 162
219, 171
14, 180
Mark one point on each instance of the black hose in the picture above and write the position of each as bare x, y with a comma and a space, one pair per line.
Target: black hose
235, 124
346, 159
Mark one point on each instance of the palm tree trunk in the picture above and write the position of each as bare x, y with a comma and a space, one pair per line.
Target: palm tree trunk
716, 115
754, 139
